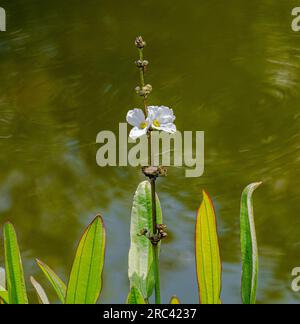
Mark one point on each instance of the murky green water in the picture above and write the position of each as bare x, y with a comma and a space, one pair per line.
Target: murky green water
230, 68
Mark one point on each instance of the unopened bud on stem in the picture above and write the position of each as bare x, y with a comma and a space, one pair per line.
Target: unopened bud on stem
141, 64
139, 42
144, 91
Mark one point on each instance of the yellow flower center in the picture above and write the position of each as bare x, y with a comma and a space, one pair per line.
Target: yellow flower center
143, 125
156, 123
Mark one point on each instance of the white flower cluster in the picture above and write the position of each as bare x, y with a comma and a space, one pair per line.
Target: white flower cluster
159, 117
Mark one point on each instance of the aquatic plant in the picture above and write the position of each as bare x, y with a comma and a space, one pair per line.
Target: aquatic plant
146, 235
147, 228
85, 282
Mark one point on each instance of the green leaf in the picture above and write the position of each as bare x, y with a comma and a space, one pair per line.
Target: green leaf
58, 285
4, 296
42, 297
135, 297
249, 246
15, 282
175, 300
141, 270
208, 262
86, 276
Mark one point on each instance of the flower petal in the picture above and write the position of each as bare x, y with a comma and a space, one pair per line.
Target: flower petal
166, 115
135, 117
163, 114
153, 112
137, 132
169, 128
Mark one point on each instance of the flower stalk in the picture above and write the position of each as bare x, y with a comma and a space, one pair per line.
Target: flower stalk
160, 118
144, 91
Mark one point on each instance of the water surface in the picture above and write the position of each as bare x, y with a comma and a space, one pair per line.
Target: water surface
229, 68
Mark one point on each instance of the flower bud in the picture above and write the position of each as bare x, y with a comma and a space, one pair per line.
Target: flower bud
139, 42
147, 89
141, 64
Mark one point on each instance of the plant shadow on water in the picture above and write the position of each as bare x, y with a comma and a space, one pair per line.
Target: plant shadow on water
65, 73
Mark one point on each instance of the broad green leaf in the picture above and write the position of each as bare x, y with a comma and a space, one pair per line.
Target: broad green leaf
249, 246
15, 282
175, 300
86, 276
135, 297
141, 272
208, 262
42, 297
58, 285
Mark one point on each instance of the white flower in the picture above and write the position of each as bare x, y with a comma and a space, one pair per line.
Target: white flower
159, 117
137, 119
162, 118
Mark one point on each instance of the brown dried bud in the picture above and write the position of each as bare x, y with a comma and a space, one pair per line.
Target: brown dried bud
143, 232
164, 235
155, 172
139, 42
162, 227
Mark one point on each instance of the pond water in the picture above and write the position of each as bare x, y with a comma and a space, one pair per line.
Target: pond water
229, 68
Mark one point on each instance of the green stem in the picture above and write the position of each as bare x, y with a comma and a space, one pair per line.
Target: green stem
153, 194
142, 72
155, 246
157, 275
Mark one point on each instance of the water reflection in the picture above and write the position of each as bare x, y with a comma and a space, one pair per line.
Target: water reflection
230, 69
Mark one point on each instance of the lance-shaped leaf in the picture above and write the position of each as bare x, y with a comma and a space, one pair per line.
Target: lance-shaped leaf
58, 285
85, 282
135, 297
15, 282
141, 271
249, 246
175, 300
208, 263
42, 297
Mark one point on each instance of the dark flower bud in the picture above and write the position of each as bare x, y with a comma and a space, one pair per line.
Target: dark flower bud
162, 227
